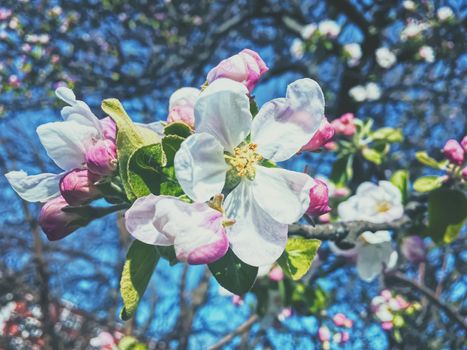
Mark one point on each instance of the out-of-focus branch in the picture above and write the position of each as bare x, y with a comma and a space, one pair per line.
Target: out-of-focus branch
453, 315
244, 327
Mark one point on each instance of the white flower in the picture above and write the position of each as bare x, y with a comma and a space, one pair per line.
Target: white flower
358, 93
65, 142
297, 49
374, 252
427, 53
373, 203
412, 30
308, 30
444, 13
373, 92
354, 51
329, 28
385, 57
409, 5
265, 200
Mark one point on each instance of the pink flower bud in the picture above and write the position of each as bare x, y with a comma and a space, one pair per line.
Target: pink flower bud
324, 134
77, 187
386, 294
345, 125
56, 223
387, 325
339, 319
101, 158
464, 173
324, 334
330, 146
109, 129
341, 192
464, 143
185, 114
237, 300
276, 274
245, 67
345, 337
325, 218
413, 248
348, 323
319, 199
454, 152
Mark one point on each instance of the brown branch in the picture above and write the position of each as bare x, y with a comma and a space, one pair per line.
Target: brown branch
349, 230
453, 315
244, 327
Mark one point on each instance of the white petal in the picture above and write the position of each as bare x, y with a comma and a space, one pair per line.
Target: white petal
186, 96
371, 258
34, 188
66, 142
375, 238
157, 127
347, 210
256, 238
200, 167
284, 125
139, 221
283, 194
78, 110
223, 110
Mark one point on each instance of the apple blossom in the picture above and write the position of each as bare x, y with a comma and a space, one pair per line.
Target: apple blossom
329, 28
344, 125
262, 201
324, 334
195, 230
464, 143
373, 91
358, 93
373, 203
427, 53
413, 248
454, 152
276, 274
412, 30
444, 13
245, 67
308, 31
181, 105
409, 5
385, 57
77, 187
324, 134
297, 49
57, 223
354, 51
101, 157
319, 199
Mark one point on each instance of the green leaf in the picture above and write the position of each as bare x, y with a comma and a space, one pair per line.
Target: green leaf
342, 170
427, 183
447, 210
168, 253
140, 263
145, 170
387, 135
170, 186
131, 343
178, 129
298, 256
253, 107
171, 144
424, 158
129, 139
233, 274
372, 155
401, 180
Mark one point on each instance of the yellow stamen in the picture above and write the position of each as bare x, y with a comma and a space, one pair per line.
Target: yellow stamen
244, 160
383, 207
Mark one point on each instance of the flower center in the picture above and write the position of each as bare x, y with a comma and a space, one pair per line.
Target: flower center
383, 207
244, 160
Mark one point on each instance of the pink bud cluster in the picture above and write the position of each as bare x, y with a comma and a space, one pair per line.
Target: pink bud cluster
342, 336
78, 186
455, 153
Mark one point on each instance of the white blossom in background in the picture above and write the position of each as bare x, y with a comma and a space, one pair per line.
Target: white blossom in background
358, 93
376, 203
385, 57
329, 28
444, 13
297, 49
412, 30
354, 51
409, 5
373, 91
427, 53
308, 31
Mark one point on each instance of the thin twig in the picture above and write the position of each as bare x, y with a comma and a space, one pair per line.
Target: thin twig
244, 327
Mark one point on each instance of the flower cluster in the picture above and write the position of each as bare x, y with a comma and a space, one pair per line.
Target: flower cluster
342, 336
